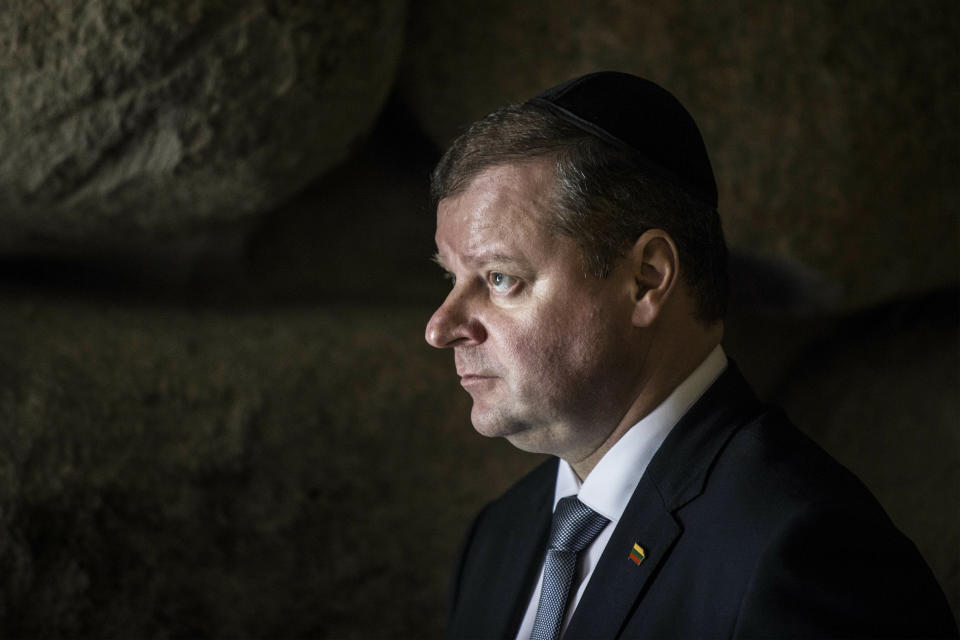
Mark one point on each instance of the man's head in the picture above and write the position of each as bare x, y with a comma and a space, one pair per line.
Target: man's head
638, 163
571, 251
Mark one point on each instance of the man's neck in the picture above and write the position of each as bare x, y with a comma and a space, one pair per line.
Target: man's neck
660, 380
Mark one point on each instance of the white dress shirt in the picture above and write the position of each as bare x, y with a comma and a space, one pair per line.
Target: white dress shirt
610, 485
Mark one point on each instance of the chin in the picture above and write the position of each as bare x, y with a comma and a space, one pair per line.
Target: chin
496, 424
522, 435
531, 442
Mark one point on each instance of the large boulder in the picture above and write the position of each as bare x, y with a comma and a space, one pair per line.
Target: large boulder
175, 473
362, 233
129, 121
832, 127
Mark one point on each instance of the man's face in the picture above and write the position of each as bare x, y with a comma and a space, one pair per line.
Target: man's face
543, 349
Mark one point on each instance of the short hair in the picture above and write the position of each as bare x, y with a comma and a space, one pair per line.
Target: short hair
604, 196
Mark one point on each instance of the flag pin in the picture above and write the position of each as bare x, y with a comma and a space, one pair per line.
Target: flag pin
637, 554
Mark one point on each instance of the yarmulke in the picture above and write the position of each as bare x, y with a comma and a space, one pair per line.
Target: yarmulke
640, 116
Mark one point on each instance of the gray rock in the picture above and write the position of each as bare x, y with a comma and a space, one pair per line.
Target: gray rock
833, 128
123, 121
364, 233
176, 473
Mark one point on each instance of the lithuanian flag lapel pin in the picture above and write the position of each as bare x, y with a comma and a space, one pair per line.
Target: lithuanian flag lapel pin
637, 554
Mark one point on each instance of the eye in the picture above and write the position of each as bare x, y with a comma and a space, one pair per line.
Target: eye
449, 276
501, 282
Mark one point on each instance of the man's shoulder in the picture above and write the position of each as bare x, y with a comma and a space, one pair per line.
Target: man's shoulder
771, 457
790, 542
735, 452
767, 472
750, 473
809, 528
771, 483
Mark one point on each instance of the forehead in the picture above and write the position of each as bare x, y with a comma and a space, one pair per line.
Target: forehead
503, 209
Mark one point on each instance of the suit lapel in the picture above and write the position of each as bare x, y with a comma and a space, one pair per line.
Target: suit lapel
676, 475
523, 557
617, 580
514, 563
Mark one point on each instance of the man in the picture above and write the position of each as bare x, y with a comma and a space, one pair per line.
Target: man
587, 262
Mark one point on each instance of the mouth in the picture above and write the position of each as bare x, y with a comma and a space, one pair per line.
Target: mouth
472, 379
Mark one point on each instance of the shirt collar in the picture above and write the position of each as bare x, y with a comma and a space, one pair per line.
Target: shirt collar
611, 483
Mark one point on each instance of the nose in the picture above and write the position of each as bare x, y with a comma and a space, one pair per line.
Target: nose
452, 324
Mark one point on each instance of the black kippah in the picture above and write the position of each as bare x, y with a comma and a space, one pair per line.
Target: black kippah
640, 116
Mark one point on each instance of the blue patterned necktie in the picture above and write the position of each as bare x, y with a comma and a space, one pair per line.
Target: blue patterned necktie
574, 527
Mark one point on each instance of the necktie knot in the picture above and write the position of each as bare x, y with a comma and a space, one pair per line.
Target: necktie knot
574, 526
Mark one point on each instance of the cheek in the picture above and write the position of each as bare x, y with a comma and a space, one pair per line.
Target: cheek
562, 343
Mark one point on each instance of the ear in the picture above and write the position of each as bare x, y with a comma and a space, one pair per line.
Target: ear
656, 268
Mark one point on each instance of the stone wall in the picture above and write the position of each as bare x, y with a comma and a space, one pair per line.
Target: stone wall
217, 413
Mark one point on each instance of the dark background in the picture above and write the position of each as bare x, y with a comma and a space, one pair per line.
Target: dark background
218, 416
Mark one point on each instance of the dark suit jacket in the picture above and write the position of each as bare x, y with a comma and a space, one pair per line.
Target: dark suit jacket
750, 530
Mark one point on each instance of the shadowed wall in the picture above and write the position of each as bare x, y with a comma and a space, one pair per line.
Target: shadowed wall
218, 416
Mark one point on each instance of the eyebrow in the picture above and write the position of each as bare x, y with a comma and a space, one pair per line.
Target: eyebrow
483, 258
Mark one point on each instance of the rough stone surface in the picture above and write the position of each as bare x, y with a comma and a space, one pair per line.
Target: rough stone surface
767, 345
168, 473
880, 394
832, 127
124, 119
362, 233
